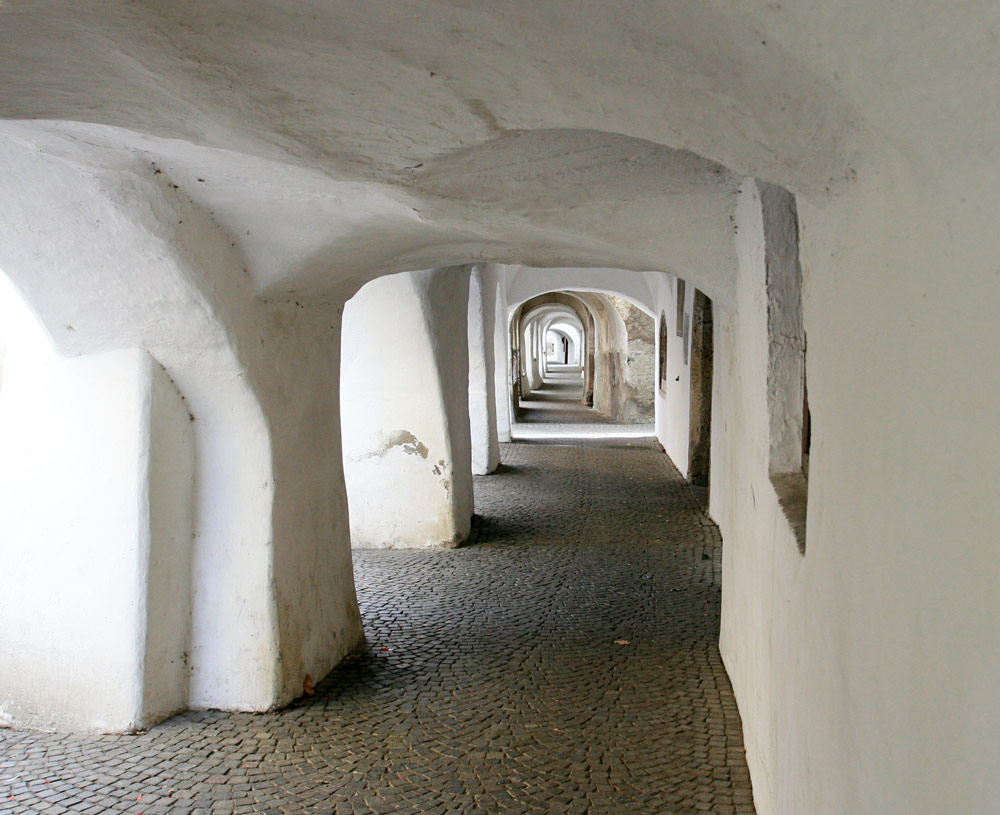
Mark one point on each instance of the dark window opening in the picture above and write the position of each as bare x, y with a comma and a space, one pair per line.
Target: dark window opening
663, 354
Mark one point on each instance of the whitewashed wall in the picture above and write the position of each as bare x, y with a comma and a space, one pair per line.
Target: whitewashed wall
760, 556
864, 669
96, 458
673, 402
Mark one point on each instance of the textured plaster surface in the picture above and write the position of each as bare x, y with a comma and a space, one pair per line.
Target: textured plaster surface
786, 339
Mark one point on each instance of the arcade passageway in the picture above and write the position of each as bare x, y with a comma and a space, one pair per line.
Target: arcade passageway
556, 399
280, 280
566, 661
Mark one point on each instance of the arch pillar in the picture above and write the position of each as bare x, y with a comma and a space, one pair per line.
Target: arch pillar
502, 356
482, 371
405, 408
152, 341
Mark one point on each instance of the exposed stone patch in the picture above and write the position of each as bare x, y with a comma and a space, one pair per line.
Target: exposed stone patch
404, 439
640, 364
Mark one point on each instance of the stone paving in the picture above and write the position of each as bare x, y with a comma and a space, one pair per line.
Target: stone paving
563, 662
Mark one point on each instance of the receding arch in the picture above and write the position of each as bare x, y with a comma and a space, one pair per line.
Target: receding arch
555, 302
614, 373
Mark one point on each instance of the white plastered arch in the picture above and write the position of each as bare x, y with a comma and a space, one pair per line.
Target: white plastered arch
545, 318
572, 335
535, 323
156, 280
526, 283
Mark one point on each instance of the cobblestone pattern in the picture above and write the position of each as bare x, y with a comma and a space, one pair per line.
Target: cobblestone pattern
564, 662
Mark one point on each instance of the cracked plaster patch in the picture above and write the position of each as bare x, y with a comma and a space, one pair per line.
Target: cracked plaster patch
404, 439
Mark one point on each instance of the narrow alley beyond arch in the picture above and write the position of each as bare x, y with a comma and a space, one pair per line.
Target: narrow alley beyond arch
566, 660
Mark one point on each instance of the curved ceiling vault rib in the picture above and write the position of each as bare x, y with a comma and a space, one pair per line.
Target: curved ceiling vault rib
399, 98
528, 282
585, 199
412, 159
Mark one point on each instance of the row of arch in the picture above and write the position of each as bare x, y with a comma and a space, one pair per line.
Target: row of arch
611, 353
186, 204
238, 584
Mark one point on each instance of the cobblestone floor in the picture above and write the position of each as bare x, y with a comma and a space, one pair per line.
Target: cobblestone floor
564, 662
553, 409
